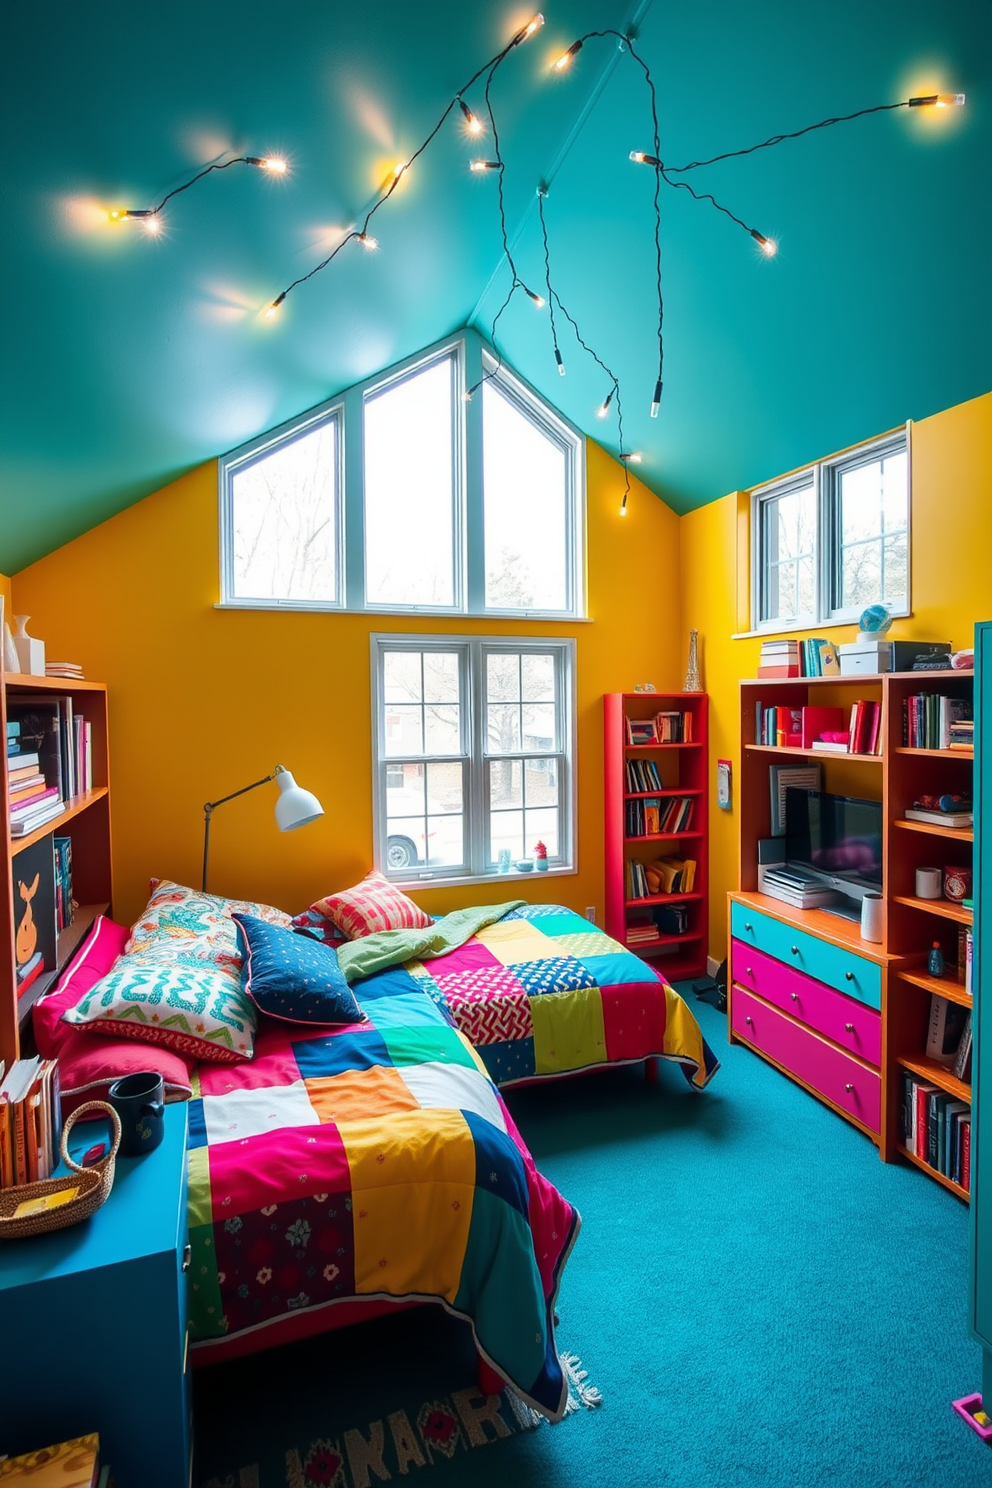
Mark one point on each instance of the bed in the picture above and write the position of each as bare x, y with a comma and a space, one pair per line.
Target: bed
344, 1171
542, 993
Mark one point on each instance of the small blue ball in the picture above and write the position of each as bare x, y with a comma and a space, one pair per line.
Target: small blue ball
875, 619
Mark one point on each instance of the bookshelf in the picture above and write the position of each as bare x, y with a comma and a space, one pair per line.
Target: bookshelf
682, 768
896, 776
85, 819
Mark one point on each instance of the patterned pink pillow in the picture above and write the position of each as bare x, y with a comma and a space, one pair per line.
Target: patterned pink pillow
374, 904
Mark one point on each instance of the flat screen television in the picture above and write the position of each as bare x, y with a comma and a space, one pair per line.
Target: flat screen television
838, 837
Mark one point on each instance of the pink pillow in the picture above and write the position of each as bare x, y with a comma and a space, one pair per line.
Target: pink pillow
88, 1062
373, 905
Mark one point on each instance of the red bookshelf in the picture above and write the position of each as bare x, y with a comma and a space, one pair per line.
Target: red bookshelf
682, 768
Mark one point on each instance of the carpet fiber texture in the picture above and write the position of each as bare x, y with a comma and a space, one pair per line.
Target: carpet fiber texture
761, 1301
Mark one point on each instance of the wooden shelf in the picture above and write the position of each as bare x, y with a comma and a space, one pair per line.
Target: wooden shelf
689, 744
663, 899
936, 1074
925, 1167
65, 949
867, 679
962, 754
942, 907
22, 681
948, 987
662, 836
73, 807
956, 834
673, 790
820, 754
661, 940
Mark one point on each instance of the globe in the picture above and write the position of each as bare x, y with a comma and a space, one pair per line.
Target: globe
875, 620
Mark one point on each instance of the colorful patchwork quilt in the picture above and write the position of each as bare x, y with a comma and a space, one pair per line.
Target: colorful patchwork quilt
376, 1162
542, 992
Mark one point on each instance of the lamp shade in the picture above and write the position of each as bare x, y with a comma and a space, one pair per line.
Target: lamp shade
295, 806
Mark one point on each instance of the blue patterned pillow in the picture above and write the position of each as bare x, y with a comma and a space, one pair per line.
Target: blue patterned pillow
291, 977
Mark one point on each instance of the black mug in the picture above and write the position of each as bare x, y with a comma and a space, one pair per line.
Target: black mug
139, 1102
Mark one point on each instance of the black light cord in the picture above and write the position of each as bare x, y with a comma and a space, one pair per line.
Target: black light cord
778, 139
362, 233
277, 167
541, 194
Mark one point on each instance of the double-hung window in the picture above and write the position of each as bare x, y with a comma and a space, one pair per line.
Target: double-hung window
473, 754
404, 494
833, 539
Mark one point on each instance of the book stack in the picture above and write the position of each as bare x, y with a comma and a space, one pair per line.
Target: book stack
655, 817
71, 1464
31, 801
71, 670
779, 726
820, 658
865, 728
961, 735
942, 811
52, 760
667, 727
936, 1128
779, 659
669, 875
928, 719
30, 1121
667, 919
642, 775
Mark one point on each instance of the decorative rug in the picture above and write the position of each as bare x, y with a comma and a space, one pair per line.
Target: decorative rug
344, 1411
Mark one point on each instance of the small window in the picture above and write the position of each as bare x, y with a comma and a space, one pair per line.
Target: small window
443, 501
834, 539
284, 520
473, 754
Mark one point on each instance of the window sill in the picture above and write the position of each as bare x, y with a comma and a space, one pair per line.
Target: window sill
480, 878
410, 611
769, 632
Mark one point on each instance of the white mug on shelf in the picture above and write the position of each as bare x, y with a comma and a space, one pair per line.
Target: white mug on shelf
872, 917
929, 883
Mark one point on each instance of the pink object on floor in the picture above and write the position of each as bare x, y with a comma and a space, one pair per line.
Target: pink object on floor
966, 1408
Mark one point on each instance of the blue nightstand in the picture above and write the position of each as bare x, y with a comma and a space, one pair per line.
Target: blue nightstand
93, 1321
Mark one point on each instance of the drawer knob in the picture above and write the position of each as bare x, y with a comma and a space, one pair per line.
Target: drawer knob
849, 1089
848, 1027
849, 976
749, 971
748, 1022
748, 925
795, 950
794, 996
187, 1256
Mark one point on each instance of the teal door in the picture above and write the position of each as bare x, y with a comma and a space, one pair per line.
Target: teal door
981, 1111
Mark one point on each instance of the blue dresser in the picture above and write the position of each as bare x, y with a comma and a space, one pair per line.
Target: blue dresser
93, 1323
981, 1136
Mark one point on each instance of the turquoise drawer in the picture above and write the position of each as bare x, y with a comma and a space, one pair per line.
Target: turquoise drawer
832, 964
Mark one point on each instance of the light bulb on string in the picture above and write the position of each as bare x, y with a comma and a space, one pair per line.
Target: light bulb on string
603, 410
631, 457
639, 157
271, 312
536, 299
656, 399
534, 24
560, 363
368, 242
473, 124
483, 165
565, 60
623, 505
938, 100
152, 225
271, 163
768, 246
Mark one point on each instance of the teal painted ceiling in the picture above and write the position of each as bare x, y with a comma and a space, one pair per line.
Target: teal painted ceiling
126, 360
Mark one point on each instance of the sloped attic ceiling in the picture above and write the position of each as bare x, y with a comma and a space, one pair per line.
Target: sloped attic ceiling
128, 359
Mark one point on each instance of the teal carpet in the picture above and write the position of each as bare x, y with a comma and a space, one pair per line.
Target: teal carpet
762, 1303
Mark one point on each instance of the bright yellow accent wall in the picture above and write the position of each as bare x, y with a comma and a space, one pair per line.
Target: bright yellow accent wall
203, 701
951, 590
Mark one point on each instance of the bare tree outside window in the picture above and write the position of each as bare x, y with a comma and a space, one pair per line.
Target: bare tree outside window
285, 520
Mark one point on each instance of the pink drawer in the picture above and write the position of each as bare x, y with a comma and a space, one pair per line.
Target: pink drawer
847, 1022
850, 1085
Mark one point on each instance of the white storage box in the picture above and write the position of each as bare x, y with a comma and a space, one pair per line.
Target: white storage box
865, 657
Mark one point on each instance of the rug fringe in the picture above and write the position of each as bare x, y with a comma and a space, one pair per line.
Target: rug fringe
580, 1392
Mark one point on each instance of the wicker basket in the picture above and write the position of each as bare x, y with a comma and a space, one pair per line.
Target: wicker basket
94, 1185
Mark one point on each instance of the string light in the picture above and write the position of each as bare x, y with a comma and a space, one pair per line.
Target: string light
642, 159
633, 457
565, 60
484, 165
368, 241
472, 124
604, 408
537, 299
534, 24
768, 246
271, 163
939, 100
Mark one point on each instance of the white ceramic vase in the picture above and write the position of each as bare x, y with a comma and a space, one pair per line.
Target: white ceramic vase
30, 653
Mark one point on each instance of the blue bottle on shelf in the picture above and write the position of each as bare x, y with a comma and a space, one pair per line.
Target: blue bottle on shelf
935, 964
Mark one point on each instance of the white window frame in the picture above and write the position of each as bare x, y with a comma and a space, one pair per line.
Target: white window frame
473, 651
824, 477
473, 362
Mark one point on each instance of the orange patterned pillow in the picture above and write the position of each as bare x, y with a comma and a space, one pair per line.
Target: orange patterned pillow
374, 904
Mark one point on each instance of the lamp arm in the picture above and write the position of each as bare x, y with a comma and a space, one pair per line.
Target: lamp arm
208, 811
